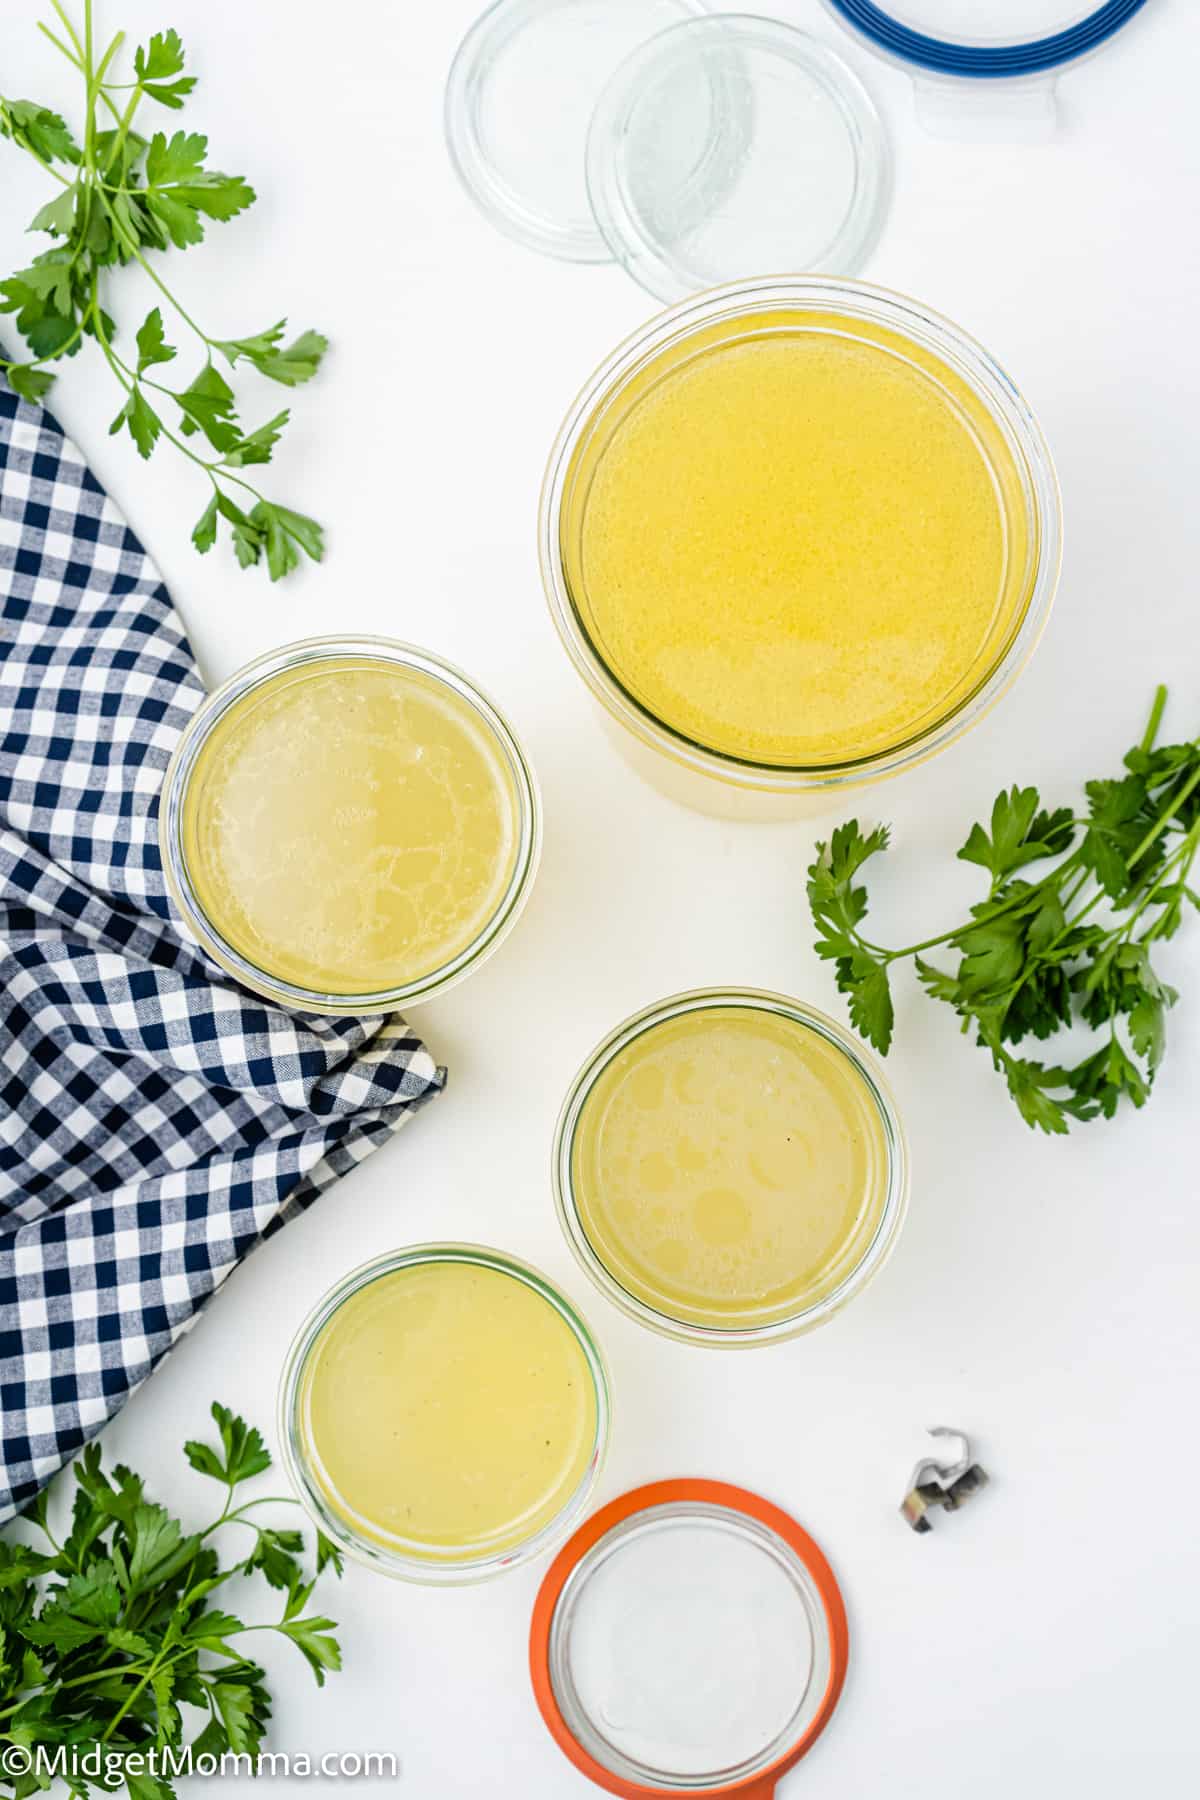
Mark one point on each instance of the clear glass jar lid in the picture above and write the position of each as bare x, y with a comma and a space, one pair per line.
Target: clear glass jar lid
690, 1638
987, 38
519, 97
734, 146
692, 147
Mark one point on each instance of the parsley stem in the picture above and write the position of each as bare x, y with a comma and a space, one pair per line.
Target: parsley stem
1075, 889
71, 32
1164, 819
84, 206
90, 125
135, 1667
35, 362
267, 1500
130, 1698
949, 937
131, 245
106, 59
59, 45
1155, 719
235, 1517
123, 125
163, 1660
74, 57
216, 471
1182, 857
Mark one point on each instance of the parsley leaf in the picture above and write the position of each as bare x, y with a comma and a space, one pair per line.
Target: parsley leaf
256, 446
159, 1549
275, 1553
37, 129
284, 532
179, 189
1032, 1086
871, 1012
159, 69
239, 1706
839, 906
139, 416
29, 384
311, 1636
79, 1612
328, 1554
57, 216
151, 342
1114, 831
204, 532
243, 1453
207, 405
1020, 834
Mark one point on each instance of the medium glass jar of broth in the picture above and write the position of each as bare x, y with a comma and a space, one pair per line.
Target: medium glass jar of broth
349, 824
730, 1168
444, 1413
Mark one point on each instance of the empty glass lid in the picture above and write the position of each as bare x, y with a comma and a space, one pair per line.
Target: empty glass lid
690, 1638
987, 37
732, 146
693, 147
519, 98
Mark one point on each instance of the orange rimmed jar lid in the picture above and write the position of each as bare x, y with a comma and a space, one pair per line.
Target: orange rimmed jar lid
690, 1638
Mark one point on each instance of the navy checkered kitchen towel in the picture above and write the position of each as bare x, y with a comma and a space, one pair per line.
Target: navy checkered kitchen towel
155, 1121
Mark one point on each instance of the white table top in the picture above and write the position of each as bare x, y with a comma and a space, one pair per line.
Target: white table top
1043, 1295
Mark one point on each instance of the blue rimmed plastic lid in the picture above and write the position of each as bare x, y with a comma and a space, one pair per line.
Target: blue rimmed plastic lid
985, 39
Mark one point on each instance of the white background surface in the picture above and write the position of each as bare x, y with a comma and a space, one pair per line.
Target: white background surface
1044, 1293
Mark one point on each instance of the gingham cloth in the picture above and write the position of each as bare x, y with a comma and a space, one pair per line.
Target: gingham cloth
156, 1122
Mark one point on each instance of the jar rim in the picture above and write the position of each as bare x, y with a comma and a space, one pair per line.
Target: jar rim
1043, 52
907, 318
255, 674
436, 1569
896, 1179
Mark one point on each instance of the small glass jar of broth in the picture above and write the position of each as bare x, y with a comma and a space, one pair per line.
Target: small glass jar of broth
797, 534
444, 1413
730, 1168
349, 825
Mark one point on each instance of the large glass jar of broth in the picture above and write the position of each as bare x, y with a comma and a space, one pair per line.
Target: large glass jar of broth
797, 534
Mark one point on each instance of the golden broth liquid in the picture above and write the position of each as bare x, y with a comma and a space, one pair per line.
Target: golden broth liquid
797, 539
350, 826
448, 1408
730, 1167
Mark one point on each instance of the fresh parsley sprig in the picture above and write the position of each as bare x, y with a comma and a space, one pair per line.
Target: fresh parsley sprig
124, 199
1073, 946
108, 1635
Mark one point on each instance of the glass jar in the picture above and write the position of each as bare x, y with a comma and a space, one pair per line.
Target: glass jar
457, 694
884, 1176
371, 1545
738, 785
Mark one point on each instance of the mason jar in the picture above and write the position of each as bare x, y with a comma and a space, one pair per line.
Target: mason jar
349, 824
729, 1167
606, 621
381, 1412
